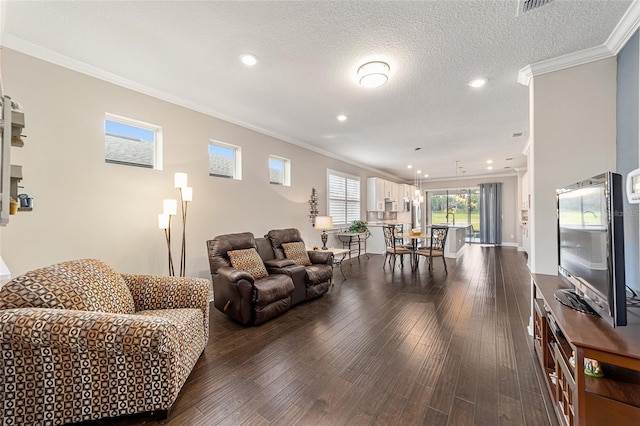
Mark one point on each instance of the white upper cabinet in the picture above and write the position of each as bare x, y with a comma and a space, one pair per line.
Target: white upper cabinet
375, 194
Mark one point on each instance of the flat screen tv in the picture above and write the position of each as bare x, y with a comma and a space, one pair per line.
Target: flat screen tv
591, 246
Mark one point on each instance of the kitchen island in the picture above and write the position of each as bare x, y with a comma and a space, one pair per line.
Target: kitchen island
456, 239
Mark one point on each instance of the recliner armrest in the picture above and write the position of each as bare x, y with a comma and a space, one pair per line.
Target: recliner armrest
234, 275
278, 263
317, 256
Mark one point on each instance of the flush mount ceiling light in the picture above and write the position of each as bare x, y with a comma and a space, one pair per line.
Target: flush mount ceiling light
479, 82
373, 74
489, 161
341, 117
248, 59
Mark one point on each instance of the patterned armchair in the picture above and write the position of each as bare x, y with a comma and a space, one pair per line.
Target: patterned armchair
80, 342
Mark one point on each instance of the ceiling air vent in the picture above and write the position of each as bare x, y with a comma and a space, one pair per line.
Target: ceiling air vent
528, 5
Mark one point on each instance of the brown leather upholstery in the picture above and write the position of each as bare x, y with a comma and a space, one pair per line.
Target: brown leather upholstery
284, 266
317, 279
236, 293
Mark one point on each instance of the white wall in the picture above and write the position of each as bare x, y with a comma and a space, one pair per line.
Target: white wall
510, 212
522, 203
84, 207
573, 137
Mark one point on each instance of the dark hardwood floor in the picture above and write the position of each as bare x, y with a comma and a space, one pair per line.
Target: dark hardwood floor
383, 347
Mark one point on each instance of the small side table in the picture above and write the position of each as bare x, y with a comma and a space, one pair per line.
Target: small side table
338, 256
350, 239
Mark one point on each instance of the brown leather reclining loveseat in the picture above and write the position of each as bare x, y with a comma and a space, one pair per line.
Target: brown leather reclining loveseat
318, 266
256, 279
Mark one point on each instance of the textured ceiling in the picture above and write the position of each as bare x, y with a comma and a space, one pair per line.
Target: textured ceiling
309, 53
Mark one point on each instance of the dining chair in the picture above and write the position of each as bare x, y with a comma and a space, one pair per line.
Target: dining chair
436, 246
393, 248
400, 241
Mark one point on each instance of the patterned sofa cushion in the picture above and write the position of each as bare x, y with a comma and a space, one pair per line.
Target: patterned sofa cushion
297, 252
85, 285
250, 261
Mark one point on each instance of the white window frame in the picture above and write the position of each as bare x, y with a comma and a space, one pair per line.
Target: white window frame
349, 201
286, 170
237, 159
157, 143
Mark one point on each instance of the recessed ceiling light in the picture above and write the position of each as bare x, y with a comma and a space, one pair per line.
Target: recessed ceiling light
373, 74
490, 168
479, 82
418, 171
489, 161
248, 59
409, 166
426, 175
342, 117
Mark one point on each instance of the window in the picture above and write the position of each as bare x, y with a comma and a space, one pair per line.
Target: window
279, 171
132, 143
224, 160
344, 197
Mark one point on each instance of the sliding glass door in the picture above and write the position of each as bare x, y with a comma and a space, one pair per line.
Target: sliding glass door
455, 206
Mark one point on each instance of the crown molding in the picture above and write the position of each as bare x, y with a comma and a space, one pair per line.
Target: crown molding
525, 75
623, 31
569, 60
15, 43
625, 28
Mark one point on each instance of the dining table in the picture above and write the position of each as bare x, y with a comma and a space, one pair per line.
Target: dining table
414, 237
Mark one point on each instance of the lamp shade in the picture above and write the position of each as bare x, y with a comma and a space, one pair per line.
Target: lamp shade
170, 207
324, 222
187, 193
163, 221
180, 180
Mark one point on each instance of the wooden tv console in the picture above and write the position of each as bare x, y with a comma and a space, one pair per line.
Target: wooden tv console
560, 333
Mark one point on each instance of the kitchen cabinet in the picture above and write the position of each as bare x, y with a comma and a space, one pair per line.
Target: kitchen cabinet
390, 189
375, 194
379, 189
406, 191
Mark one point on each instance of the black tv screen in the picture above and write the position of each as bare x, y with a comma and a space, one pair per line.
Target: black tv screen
591, 245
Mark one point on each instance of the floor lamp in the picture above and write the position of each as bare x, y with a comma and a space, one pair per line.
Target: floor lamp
170, 208
186, 195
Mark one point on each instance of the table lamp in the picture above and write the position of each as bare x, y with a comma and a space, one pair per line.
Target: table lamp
324, 223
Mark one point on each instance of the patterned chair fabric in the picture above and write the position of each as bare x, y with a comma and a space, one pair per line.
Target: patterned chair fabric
81, 342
